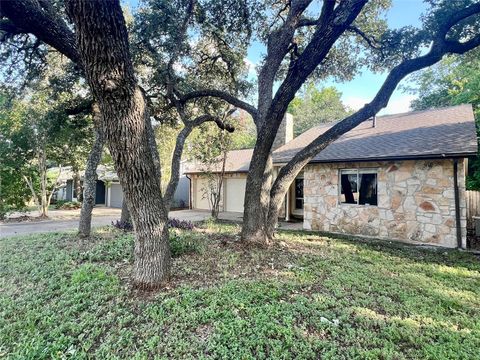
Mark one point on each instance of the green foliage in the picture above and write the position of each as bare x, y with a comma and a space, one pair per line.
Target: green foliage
316, 106
184, 242
36, 133
453, 81
68, 205
310, 297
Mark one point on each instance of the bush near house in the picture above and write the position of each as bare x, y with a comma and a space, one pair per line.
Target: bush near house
67, 205
306, 297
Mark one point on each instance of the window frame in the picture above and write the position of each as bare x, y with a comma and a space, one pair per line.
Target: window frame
367, 170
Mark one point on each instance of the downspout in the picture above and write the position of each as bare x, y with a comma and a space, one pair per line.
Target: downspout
189, 192
457, 203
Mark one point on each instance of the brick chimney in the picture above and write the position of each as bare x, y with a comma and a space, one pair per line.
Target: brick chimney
285, 132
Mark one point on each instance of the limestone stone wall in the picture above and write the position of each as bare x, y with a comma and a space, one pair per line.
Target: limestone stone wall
416, 202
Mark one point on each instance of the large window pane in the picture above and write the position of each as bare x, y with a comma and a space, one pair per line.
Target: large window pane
348, 180
368, 189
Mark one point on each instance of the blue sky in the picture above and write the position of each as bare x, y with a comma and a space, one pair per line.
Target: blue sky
363, 88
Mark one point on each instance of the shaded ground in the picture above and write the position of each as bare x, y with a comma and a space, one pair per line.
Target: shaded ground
60, 220
306, 297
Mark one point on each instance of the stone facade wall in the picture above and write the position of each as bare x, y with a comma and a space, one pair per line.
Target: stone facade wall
416, 202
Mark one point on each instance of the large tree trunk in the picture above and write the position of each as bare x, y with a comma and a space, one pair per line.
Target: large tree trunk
90, 183
257, 198
103, 44
125, 216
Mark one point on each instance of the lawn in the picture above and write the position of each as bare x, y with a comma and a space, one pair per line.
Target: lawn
306, 297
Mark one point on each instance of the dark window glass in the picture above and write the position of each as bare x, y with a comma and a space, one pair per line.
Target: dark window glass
298, 193
368, 189
358, 187
348, 187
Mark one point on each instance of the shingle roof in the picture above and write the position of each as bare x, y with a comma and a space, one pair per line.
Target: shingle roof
237, 161
421, 134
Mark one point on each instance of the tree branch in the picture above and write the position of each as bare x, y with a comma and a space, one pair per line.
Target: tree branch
178, 151
221, 95
288, 173
372, 42
29, 16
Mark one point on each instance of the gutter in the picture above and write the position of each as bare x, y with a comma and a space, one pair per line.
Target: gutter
457, 204
381, 159
189, 192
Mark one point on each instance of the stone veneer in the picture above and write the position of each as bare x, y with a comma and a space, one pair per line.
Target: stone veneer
416, 202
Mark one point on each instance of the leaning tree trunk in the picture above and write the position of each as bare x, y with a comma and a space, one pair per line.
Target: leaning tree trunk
90, 184
103, 44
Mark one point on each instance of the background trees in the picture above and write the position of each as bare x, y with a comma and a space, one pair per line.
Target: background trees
37, 134
454, 80
316, 106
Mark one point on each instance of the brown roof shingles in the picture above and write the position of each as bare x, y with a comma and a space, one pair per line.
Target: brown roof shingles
433, 133
421, 134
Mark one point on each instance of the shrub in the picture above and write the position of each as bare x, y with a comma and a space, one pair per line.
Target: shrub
182, 243
172, 224
180, 224
67, 205
123, 225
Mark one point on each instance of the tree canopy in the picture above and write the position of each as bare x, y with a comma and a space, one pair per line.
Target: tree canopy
316, 106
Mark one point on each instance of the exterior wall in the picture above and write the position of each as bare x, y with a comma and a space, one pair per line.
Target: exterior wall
231, 199
115, 196
181, 195
416, 202
69, 191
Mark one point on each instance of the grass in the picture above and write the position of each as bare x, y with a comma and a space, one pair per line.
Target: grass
306, 297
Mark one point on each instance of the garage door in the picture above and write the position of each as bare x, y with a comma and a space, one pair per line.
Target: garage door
235, 194
116, 196
201, 199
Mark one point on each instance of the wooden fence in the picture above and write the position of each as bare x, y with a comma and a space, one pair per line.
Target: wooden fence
473, 206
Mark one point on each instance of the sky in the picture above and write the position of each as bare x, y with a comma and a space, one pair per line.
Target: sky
363, 88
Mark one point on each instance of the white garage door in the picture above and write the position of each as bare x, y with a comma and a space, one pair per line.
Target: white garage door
201, 199
116, 196
235, 194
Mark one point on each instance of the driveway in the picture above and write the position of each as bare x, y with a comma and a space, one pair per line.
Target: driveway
68, 220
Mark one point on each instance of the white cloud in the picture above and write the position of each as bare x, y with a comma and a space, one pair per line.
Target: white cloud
398, 104
355, 102
251, 66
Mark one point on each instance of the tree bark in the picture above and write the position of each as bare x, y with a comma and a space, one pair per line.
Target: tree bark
90, 181
77, 184
125, 216
42, 169
103, 44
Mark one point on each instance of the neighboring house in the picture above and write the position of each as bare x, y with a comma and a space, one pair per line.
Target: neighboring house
109, 191
398, 177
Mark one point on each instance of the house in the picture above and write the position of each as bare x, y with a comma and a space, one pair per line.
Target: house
399, 177
108, 189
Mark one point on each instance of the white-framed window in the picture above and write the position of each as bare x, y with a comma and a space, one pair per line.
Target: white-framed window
358, 186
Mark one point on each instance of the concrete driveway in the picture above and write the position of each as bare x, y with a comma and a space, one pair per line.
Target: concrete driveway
61, 220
